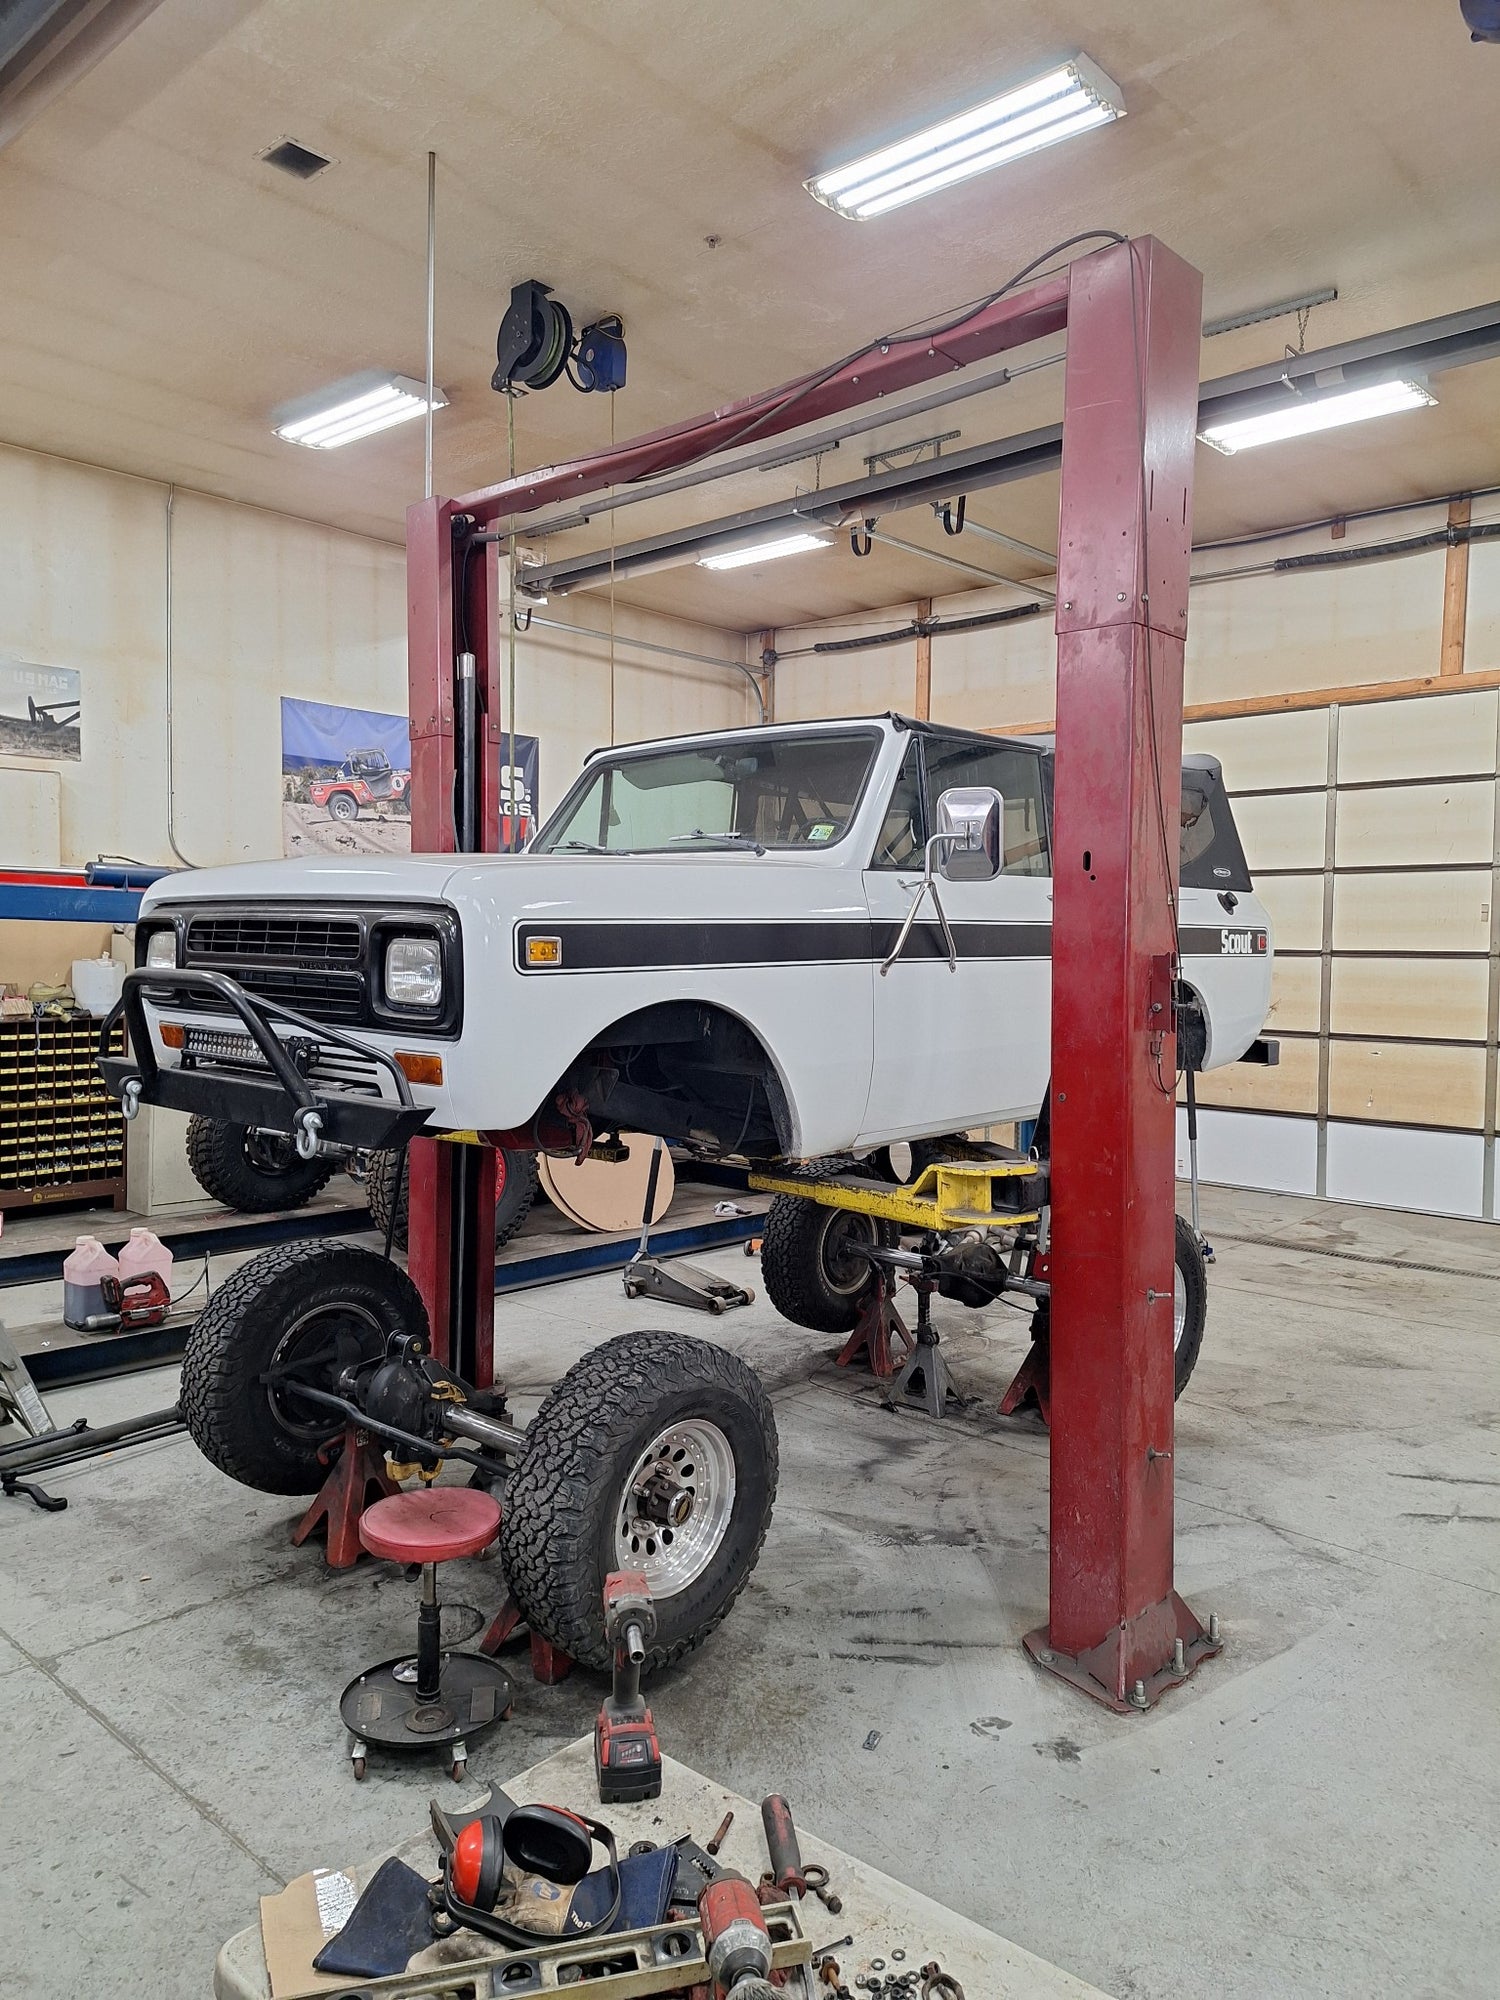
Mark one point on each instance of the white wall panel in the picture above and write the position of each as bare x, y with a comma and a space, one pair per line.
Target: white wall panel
1404, 1083
30, 814
1242, 1149
1432, 736
1265, 752
1282, 829
1290, 1085
1392, 826
1421, 912
1296, 995
1295, 903
1446, 998
1440, 1172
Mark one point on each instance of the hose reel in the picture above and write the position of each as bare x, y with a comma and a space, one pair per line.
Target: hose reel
536, 343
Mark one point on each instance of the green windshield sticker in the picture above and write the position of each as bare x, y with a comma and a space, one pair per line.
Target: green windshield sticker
824, 830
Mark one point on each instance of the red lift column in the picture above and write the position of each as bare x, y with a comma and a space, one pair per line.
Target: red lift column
451, 1188
1116, 1627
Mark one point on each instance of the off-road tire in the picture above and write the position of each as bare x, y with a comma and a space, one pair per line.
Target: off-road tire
386, 1185
219, 1155
806, 1280
344, 807
557, 1539
1194, 1273
224, 1403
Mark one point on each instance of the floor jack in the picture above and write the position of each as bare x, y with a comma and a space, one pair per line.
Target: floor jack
676, 1284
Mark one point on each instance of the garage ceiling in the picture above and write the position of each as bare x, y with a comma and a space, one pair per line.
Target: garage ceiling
164, 290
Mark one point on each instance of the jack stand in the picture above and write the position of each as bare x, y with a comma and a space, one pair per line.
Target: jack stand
549, 1663
678, 1284
878, 1320
926, 1358
356, 1477
1031, 1386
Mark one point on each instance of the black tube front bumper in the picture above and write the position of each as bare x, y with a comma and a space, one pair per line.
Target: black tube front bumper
283, 1100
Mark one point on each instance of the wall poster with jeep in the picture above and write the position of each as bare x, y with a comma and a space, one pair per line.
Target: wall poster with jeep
346, 781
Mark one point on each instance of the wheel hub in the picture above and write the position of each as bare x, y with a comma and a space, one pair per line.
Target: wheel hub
323, 1348
676, 1506
1179, 1308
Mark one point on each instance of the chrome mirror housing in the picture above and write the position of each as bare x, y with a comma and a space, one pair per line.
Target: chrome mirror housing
972, 818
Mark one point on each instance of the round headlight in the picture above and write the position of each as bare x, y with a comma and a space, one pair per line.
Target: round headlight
414, 972
161, 948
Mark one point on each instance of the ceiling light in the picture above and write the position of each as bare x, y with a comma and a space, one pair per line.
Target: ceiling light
783, 545
1312, 413
356, 408
1071, 99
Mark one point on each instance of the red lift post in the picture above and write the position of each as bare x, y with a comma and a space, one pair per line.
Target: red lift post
1116, 1627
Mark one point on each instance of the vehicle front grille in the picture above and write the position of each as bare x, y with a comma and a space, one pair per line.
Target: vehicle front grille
313, 964
325, 1067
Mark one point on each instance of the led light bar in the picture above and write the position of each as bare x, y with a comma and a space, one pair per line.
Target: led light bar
783, 545
1066, 101
357, 408
1312, 413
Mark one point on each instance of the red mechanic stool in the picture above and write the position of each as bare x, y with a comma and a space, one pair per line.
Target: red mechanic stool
436, 1700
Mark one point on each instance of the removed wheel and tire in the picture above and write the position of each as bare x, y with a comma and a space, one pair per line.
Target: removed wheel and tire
318, 1308
252, 1171
811, 1259
386, 1188
1189, 1304
655, 1452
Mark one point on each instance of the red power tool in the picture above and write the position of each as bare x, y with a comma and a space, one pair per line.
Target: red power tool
143, 1300
627, 1756
736, 1943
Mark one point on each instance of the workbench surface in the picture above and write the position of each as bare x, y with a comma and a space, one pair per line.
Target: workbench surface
883, 1915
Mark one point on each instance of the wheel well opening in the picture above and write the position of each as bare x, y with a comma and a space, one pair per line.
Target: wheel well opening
691, 1071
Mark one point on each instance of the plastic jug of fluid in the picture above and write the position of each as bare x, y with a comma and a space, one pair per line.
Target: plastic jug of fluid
145, 1251
97, 983
86, 1265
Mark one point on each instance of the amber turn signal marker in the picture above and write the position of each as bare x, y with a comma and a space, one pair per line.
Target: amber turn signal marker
418, 1068
544, 951
173, 1036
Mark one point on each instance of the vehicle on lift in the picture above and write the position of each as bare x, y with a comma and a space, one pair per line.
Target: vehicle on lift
789, 943
365, 779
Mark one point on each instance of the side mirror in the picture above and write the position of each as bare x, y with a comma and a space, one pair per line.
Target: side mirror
974, 814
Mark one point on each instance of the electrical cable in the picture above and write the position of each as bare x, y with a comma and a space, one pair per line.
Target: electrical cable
511, 816
932, 333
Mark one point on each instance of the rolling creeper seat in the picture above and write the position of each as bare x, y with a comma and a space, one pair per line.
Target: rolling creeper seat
436, 1700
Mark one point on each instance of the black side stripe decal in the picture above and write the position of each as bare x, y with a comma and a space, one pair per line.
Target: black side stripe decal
660, 947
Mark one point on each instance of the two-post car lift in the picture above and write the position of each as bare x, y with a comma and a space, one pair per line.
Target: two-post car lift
1116, 1627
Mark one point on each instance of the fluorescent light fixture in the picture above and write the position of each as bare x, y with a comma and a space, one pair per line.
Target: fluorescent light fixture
1073, 98
1324, 412
783, 545
356, 408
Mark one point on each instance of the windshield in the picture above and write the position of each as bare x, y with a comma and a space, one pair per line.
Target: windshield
758, 791
1212, 857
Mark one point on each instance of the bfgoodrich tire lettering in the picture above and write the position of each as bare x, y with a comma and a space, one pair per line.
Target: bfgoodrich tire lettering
348, 1300
563, 1500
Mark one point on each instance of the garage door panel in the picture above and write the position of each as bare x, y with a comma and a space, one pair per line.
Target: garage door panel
1411, 824
1259, 751
1429, 912
1397, 1084
1282, 829
1295, 903
1296, 995
1292, 1085
1445, 999
1434, 736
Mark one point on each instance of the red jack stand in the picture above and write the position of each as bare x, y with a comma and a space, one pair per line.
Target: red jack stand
1031, 1386
549, 1663
356, 1477
878, 1320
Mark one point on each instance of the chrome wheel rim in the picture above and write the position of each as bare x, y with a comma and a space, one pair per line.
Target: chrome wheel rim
693, 1457
1179, 1307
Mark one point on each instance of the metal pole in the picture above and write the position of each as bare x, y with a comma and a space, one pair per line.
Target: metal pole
431, 299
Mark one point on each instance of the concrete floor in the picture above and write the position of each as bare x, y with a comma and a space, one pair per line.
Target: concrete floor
1314, 1815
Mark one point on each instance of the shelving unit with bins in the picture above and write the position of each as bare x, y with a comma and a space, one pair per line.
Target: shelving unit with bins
62, 1136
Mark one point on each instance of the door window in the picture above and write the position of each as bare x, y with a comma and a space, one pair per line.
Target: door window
1016, 775
901, 832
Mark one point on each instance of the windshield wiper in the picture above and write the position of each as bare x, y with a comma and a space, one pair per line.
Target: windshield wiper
578, 847
718, 840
